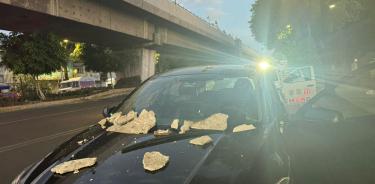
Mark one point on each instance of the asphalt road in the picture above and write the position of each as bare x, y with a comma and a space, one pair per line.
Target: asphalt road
28, 135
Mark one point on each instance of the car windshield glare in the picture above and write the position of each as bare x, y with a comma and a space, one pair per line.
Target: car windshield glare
196, 97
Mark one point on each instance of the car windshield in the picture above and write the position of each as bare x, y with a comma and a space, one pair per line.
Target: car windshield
195, 97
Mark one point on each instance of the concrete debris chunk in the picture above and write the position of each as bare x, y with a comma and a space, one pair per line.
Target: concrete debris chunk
82, 142
185, 127
73, 165
102, 123
153, 161
114, 117
243, 127
214, 122
140, 125
201, 141
121, 120
162, 132
174, 124
131, 115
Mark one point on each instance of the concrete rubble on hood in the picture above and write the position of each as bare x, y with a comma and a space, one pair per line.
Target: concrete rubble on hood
174, 124
73, 165
114, 117
102, 123
121, 120
214, 122
153, 161
162, 132
243, 127
201, 141
140, 125
185, 127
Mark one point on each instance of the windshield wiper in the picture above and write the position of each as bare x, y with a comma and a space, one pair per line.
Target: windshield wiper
165, 139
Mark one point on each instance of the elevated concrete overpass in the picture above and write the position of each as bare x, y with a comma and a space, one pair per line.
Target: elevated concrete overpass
147, 25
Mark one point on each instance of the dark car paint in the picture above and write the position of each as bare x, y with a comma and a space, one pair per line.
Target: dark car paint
326, 152
232, 158
256, 156
331, 152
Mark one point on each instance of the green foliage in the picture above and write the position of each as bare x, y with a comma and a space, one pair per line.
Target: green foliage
76, 54
315, 27
32, 54
101, 59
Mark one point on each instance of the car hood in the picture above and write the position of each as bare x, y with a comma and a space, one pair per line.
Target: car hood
228, 159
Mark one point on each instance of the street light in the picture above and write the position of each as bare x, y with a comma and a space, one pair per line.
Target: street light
264, 65
332, 6
65, 40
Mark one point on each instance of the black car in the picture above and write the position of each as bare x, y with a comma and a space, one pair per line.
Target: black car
331, 139
256, 156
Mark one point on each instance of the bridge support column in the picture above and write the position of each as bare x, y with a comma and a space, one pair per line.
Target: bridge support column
139, 66
147, 63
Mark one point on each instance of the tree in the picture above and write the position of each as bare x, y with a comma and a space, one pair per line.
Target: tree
101, 59
32, 54
317, 27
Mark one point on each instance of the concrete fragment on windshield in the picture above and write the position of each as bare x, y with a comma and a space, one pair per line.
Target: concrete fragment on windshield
121, 120
114, 117
102, 123
174, 124
162, 132
153, 161
243, 127
73, 165
185, 127
201, 141
140, 125
214, 122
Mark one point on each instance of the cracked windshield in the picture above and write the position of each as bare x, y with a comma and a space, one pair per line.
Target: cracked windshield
187, 91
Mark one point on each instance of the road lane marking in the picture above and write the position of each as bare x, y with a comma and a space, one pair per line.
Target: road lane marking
40, 139
44, 116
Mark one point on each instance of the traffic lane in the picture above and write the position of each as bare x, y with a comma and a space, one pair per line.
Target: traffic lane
14, 161
30, 114
58, 119
35, 133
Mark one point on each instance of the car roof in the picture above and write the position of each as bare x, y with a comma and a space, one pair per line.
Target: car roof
211, 69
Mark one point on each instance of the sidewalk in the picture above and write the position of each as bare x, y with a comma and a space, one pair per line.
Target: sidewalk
104, 95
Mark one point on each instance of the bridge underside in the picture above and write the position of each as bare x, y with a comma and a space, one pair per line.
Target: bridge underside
23, 20
177, 47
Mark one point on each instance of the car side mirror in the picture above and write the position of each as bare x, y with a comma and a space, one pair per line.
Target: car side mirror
322, 115
107, 111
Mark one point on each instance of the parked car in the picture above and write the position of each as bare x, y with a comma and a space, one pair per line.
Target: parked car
193, 94
7, 93
332, 137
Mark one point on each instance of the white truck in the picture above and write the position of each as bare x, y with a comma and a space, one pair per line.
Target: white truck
77, 83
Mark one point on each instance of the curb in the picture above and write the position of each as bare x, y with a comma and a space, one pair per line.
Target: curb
99, 96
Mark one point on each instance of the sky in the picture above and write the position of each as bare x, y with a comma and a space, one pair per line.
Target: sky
232, 16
